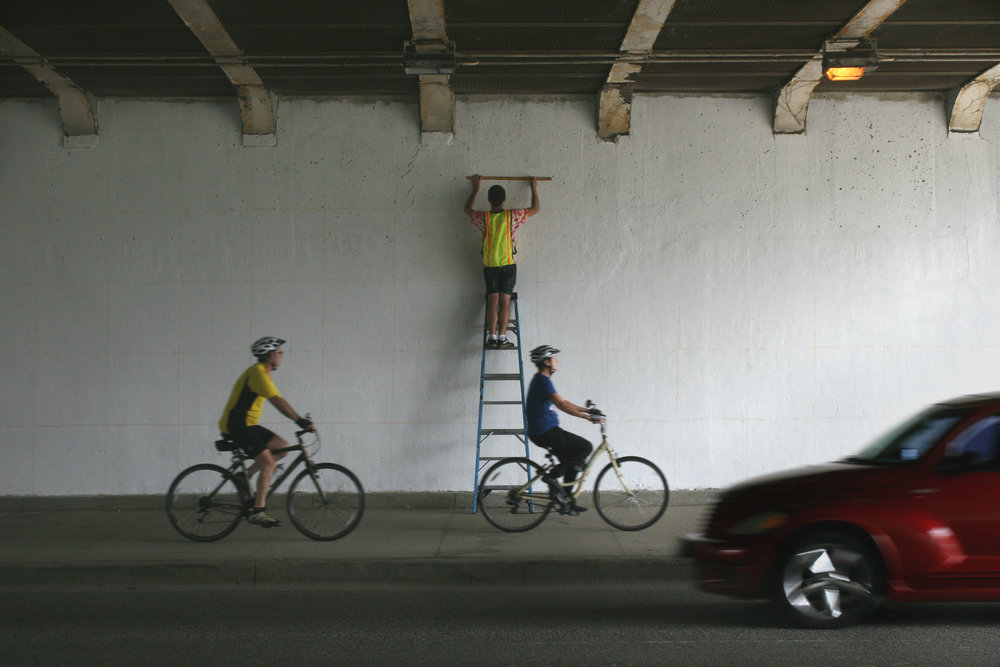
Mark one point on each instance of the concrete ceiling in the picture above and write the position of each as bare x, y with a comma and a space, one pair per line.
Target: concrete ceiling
256, 51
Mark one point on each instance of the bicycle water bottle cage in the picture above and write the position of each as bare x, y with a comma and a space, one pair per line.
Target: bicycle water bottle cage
225, 445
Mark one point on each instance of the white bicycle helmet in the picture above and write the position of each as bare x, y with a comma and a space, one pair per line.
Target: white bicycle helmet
543, 352
265, 346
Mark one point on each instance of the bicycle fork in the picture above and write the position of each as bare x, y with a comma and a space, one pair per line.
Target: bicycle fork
319, 489
618, 472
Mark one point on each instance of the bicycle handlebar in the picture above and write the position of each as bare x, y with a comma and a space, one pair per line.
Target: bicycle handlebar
305, 428
308, 447
595, 412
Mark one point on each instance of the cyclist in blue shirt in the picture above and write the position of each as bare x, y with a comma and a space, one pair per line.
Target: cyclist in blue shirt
543, 426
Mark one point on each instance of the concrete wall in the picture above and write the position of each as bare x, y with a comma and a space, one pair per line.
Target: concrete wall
738, 302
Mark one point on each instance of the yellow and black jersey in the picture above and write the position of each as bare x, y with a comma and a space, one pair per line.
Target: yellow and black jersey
246, 403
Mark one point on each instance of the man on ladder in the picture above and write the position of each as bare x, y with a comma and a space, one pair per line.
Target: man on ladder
498, 227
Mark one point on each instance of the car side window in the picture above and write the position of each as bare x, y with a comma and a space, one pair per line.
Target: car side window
979, 444
911, 439
920, 439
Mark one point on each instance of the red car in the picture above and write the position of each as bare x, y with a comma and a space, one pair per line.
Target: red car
913, 517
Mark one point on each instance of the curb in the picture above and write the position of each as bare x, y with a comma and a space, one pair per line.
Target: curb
374, 500
409, 571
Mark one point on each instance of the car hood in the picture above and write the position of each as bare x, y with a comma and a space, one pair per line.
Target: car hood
826, 477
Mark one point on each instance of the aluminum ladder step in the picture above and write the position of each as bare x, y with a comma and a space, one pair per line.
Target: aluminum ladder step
502, 431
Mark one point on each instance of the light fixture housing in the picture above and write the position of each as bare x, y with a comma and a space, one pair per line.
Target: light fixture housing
849, 59
429, 57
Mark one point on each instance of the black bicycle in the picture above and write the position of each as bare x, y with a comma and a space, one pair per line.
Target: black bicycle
325, 501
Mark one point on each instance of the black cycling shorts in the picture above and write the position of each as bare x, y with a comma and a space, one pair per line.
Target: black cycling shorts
500, 278
571, 450
252, 440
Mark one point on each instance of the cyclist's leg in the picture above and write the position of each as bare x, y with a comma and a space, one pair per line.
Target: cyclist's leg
259, 443
554, 441
571, 450
267, 462
577, 457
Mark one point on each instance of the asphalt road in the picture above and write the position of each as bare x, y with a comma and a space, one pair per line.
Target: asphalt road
599, 625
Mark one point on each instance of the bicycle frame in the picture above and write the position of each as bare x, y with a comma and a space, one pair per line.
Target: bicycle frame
633, 498
241, 460
576, 486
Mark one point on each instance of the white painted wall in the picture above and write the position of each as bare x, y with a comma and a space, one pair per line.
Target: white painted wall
739, 302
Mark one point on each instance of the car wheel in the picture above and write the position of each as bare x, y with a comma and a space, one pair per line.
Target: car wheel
828, 580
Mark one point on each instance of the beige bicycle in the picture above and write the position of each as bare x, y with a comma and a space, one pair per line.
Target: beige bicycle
630, 493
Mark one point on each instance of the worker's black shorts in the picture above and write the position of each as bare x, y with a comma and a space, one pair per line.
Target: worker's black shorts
252, 439
500, 278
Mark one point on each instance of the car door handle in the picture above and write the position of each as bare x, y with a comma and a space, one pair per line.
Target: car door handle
923, 492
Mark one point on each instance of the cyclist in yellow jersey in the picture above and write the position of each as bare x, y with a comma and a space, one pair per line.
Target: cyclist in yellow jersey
498, 226
240, 419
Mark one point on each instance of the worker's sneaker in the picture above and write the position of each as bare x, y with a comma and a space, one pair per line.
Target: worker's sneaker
262, 519
504, 344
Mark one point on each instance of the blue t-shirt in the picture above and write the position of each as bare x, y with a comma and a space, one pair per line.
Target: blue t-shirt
542, 414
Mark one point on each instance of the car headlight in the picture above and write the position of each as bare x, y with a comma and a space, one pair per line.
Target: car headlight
760, 523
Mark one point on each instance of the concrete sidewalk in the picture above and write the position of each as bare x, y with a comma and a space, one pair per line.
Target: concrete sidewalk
127, 548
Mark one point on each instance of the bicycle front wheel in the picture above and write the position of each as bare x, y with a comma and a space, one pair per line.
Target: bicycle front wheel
326, 503
633, 496
506, 502
203, 504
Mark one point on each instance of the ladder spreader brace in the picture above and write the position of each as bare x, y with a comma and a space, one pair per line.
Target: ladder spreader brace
482, 434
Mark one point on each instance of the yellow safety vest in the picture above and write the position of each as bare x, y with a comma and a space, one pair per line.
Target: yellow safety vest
498, 244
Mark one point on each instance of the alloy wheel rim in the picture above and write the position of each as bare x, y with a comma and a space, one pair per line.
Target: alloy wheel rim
823, 582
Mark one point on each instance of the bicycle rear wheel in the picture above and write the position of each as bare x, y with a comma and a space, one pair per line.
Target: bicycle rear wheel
326, 504
203, 504
502, 504
636, 504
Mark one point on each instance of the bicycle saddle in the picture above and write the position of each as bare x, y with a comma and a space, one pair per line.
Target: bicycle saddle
225, 445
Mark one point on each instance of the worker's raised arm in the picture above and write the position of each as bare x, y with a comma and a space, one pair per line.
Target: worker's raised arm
535, 204
476, 182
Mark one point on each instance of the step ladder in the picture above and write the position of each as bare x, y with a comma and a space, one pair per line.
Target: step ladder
514, 436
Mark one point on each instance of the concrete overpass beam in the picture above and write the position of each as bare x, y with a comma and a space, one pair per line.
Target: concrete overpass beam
76, 105
615, 111
966, 104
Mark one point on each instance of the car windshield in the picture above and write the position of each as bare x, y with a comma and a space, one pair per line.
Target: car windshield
911, 439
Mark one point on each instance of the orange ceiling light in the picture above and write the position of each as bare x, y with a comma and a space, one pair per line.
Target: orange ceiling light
849, 59
844, 73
